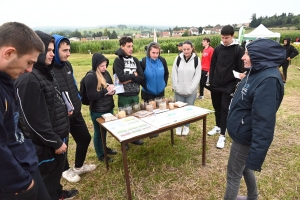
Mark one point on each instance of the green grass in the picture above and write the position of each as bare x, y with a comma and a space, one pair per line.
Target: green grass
161, 171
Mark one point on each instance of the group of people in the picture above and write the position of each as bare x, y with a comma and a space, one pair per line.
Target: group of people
246, 89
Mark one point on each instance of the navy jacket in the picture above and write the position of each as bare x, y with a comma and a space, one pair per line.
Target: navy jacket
17, 154
252, 114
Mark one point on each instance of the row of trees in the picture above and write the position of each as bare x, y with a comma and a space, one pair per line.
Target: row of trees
85, 34
276, 20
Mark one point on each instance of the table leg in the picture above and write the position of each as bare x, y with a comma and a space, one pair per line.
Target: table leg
129, 197
204, 141
104, 146
172, 137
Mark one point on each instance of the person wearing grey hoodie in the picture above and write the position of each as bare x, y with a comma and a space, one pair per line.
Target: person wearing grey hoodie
252, 115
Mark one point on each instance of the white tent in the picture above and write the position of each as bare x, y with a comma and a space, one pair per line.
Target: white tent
261, 32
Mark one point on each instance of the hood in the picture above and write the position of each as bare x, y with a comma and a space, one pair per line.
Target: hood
148, 48
97, 59
46, 40
234, 42
58, 39
288, 41
121, 53
265, 53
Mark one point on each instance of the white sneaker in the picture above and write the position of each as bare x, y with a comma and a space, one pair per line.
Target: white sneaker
214, 131
201, 97
221, 142
84, 169
185, 130
178, 130
71, 176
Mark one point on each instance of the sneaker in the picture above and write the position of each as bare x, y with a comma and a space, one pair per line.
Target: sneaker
221, 142
110, 151
138, 142
68, 194
84, 169
178, 130
185, 130
102, 159
71, 176
214, 131
201, 97
241, 198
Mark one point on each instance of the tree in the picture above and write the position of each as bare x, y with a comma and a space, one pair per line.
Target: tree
253, 22
113, 35
108, 34
200, 29
76, 33
176, 28
105, 32
185, 34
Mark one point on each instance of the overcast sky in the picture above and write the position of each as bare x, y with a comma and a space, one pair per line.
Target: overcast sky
95, 13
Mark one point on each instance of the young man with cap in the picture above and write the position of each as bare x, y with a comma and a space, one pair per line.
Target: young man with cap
19, 170
225, 60
179, 47
252, 115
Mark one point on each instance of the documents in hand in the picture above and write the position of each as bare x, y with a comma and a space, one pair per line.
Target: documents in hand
115, 89
119, 86
67, 101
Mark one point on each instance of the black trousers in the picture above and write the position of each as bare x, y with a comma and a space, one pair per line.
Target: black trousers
52, 178
285, 66
202, 83
82, 137
221, 102
38, 191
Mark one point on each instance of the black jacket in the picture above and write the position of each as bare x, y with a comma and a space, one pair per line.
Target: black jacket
252, 112
43, 114
125, 66
99, 102
17, 154
224, 60
65, 78
291, 51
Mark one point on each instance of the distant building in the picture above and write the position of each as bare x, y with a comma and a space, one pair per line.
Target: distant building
165, 34
74, 39
178, 33
194, 31
104, 38
211, 30
145, 35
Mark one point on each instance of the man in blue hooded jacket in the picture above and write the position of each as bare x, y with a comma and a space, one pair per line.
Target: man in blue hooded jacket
64, 74
252, 115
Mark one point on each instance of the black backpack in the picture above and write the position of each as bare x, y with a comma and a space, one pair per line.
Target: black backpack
195, 61
84, 99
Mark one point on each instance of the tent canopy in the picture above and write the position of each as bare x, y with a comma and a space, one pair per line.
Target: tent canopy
261, 32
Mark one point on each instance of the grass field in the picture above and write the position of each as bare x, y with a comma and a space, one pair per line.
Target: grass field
164, 172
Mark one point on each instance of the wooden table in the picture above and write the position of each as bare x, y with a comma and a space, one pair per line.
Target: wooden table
160, 130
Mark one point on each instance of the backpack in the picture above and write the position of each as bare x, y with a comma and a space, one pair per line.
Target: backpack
84, 99
195, 61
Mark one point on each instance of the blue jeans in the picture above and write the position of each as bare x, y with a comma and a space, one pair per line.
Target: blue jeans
97, 134
236, 169
190, 100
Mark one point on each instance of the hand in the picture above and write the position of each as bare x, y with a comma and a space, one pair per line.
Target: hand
61, 149
125, 82
110, 87
242, 75
289, 58
135, 73
70, 113
31, 185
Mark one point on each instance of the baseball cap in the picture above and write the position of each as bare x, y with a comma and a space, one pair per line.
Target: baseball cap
179, 44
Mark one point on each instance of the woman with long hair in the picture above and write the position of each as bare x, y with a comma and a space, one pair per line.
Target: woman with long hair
99, 89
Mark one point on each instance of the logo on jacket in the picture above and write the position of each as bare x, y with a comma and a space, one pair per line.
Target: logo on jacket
69, 72
245, 89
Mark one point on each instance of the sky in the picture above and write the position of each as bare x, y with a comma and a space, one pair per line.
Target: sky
169, 13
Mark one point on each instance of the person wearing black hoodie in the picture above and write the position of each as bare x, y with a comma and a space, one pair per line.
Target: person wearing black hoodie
291, 52
19, 171
47, 126
225, 59
63, 71
252, 115
130, 74
99, 89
